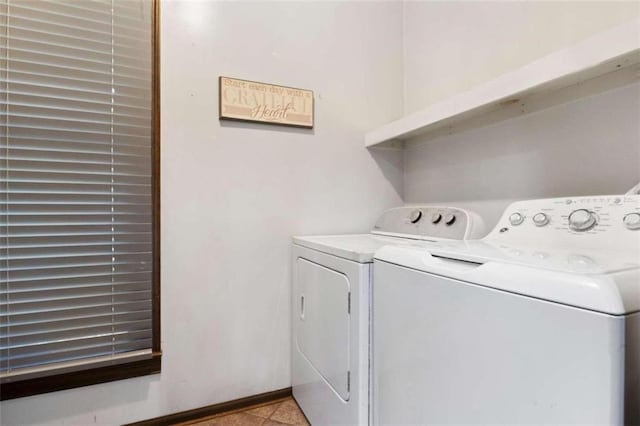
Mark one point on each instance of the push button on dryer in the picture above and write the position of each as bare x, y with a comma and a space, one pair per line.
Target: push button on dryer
449, 219
415, 216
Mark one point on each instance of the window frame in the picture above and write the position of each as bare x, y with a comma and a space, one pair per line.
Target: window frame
126, 370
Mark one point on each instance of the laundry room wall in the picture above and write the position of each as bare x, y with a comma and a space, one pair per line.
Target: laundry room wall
451, 47
233, 194
588, 145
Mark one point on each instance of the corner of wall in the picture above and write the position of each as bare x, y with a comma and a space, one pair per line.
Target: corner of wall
403, 83
403, 80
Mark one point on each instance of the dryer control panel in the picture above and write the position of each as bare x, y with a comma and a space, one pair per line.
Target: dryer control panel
429, 222
600, 222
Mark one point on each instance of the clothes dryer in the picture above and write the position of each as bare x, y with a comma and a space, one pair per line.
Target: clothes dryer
332, 278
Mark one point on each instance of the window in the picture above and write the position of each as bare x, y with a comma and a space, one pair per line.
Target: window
79, 181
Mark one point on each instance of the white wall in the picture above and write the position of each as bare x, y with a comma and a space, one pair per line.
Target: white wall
588, 146
233, 194
452, 46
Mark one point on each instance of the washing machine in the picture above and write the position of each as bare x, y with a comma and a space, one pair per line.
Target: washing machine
537, 323
331, 307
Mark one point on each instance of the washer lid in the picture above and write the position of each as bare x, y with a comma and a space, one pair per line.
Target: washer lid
604, 282
561, 259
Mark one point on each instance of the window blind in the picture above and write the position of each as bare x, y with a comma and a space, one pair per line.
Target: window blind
76, 183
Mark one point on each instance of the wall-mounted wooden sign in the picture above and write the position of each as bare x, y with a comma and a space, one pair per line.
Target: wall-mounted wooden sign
264, 103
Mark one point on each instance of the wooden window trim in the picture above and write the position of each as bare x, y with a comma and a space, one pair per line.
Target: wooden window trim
132, 369
76, 379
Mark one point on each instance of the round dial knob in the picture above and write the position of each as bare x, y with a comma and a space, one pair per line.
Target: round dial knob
436, 218
632, 221
582, 220
449, 219
415, 216
516, 219
540, 219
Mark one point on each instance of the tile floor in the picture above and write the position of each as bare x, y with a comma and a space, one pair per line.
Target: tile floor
280, 412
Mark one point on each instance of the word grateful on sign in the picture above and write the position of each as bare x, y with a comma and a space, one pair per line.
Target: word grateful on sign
264, 103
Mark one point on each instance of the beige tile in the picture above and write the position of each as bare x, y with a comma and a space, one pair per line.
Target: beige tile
289, 413
264, 411
270, 422
237, 419
203, 421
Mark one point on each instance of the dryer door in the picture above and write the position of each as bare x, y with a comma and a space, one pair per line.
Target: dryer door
323, 333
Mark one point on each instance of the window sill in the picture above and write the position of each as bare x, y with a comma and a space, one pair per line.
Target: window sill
76, 379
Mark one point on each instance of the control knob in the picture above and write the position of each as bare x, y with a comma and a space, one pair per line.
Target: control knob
582, 220
449, 219
540, 219
632, 221
436, 218
415, 216
516, 219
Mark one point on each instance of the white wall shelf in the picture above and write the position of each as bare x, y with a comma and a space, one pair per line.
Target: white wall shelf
607, 53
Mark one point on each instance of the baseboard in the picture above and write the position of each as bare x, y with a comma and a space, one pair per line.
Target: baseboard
210, 410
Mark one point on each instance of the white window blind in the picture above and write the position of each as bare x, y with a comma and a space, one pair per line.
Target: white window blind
76, 184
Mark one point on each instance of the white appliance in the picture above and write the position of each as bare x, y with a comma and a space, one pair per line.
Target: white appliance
331, 307
537, 323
